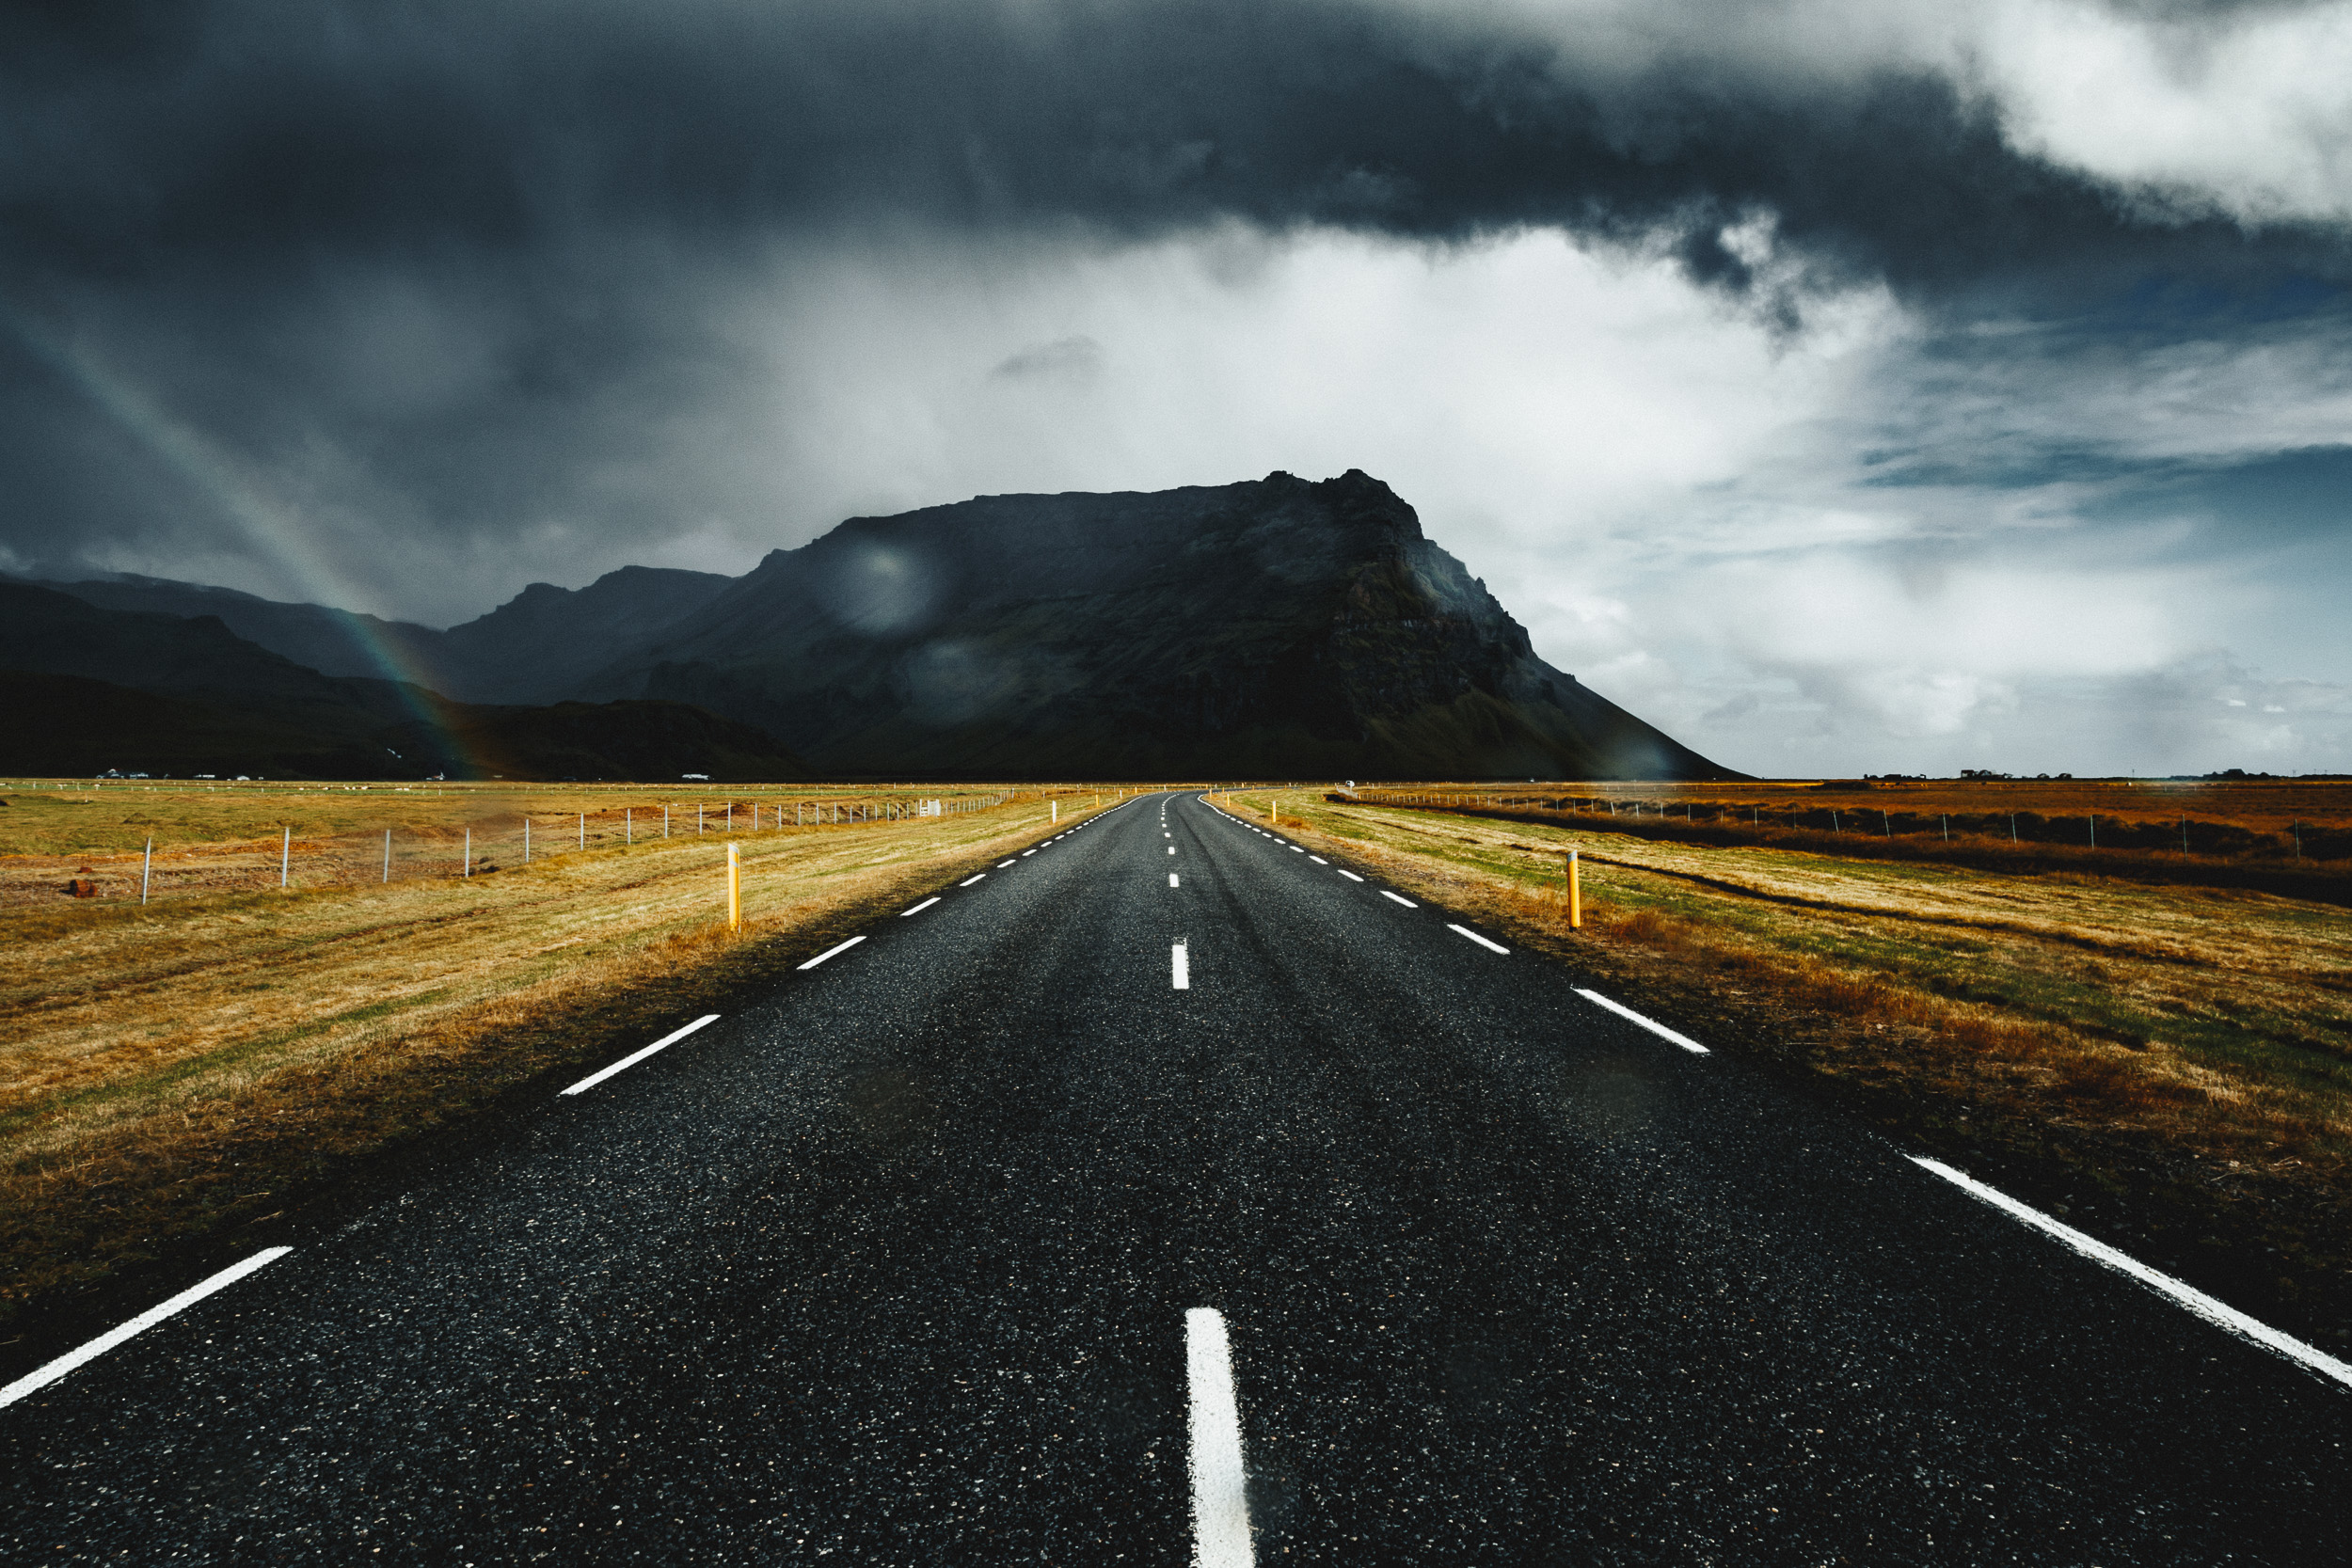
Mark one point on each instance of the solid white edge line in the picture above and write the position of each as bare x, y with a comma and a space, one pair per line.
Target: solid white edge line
1654, 1027
919, 908
42, 1377
1400, 899
1466, 931
831, 951
1181, 966
1220, 1482
1349, 875
969, 881
2219, 1314
636, 1056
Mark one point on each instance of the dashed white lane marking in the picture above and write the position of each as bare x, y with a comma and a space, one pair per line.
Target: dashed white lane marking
636, 1056
1318, 859
1466, 931
969, 881
42, 1377
1221, 1490
2212, 1311
1026, 853
1180, 964
1400, 899
1001, 864
919, 908
1293, 848
1349, 875
1651, 1024
1172, 848
1171, 879
833, 952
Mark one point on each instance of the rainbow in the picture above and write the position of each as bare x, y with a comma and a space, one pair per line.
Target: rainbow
271, 528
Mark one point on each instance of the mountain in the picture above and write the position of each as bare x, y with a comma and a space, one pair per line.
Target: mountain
198, 657
1274, 628
531, 649
541, 643
88, 689
71, 726
329, 641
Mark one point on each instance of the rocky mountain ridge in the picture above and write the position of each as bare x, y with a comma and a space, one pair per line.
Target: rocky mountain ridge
1274, 628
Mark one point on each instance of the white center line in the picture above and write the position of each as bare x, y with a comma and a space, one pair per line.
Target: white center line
1400, 899
831, 951
1171, 879
1220, 1489
634, 1058
1466, 931
1349, 875
1659, 1029
919, 908
969, 881
42, 1377
1182, 965
1172, 848
2212, 1311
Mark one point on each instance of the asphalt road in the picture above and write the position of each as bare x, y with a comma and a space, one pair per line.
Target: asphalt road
895, 1267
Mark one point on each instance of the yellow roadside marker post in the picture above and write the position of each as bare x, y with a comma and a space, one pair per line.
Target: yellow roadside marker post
1576, 898
735, 886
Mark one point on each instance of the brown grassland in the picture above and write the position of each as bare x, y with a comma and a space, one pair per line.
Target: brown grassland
2169, 1065
204, 1066
226, 837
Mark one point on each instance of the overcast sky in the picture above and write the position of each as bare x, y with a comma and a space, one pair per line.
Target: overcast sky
1844, 385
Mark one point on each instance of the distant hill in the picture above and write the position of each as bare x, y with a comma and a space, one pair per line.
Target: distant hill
541, 644
331, 642
88, 689
531, 649
73, 726
1274, 628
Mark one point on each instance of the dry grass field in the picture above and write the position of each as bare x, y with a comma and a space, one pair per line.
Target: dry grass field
208, 1061
2157, 1056
228, 837
2272, 824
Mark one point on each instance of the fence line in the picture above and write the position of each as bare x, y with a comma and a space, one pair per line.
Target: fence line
2091, 830
482, 846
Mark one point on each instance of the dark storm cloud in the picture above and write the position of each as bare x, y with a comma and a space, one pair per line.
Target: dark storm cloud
325, 283
288, 136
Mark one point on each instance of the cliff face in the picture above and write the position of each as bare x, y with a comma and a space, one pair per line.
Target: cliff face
1274, 628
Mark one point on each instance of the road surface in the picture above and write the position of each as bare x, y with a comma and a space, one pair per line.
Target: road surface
948, 1251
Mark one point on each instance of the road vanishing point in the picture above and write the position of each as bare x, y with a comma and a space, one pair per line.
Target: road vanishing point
1175, 1195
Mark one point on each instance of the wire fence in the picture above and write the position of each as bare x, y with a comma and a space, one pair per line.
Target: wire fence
476, 847
2178, 834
